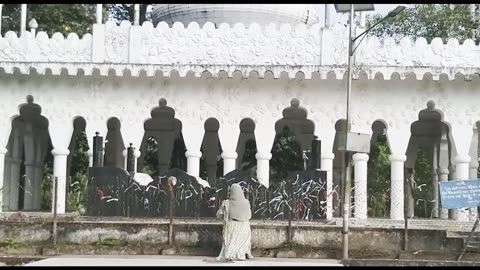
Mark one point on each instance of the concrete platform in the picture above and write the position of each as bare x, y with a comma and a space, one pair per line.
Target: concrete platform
100, 260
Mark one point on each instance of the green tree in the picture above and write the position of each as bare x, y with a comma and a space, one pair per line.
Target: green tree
125, 12
422, 185
77, 192
286, 156
379, 178
151, 157
428, 21
51, 18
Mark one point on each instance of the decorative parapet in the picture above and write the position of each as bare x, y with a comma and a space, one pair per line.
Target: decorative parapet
44, 49
282, 48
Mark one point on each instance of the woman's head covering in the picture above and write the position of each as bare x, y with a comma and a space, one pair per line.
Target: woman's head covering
239, 207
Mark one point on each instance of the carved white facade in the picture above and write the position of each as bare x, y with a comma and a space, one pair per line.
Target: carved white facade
238, 72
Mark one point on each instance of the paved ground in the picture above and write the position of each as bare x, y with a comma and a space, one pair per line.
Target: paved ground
173, 261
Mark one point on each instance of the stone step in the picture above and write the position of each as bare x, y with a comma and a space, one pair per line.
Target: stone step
464, 235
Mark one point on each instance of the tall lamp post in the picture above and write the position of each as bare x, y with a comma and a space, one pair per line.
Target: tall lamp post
350, 148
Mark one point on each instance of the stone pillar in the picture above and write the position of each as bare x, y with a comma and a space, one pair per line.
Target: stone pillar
193, 133
136, 15
90, 157
30, 168
23, 19
360, 167
443, 176
3, 151
397, 186
14, 189
443, 167
473, 175
228, 135
473, 168
124, 154
1, 7
33, 186
264, 135
37, 187
263, 167
435, 194
60, 172
461, 173
99, 12
193, 162
6, 183
327, 165
229, 161
137, 154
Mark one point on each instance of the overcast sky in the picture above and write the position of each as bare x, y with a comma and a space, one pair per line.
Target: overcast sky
335, 17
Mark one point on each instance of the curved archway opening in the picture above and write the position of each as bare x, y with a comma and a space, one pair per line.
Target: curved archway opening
77, 165
114, 145
150, 158
338, 172
428, 161
28, 162
294, 135
162, 146
378, 184
247, 146
211, 162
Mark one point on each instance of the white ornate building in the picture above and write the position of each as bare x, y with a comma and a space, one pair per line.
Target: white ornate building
230, 73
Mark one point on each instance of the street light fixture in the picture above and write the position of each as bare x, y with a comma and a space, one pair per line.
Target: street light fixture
350, 148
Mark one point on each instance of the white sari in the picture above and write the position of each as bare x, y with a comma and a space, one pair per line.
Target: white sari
236, 240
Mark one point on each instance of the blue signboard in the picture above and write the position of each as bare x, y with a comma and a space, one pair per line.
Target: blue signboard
459, 194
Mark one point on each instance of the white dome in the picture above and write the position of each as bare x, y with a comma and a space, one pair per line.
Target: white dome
262, 14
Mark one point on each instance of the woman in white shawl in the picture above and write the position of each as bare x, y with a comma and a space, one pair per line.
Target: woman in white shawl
236, 214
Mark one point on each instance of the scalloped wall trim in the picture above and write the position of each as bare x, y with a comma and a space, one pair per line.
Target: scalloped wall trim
240, 71
286, 46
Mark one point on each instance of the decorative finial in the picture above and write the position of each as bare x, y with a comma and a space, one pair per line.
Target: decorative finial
162, 102
30, 99
430, 105
295, 103
33, 24
131, 144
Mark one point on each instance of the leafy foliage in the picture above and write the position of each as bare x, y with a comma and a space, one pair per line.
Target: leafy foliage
51, 18
427, 21
151, 157
379, 179
286, 156
77, 193
422, 185
47, 181
125, 12
10, 242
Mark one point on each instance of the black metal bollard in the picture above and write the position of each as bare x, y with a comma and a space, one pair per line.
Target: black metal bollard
131, 159
172, 181
316, 153
97, 150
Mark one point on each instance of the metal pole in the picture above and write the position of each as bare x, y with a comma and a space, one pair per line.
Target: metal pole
171, 212
1, 7
327, 16
23, 19
468, 240
99, 13
405, 210
346, 188
136, 14
55, 196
